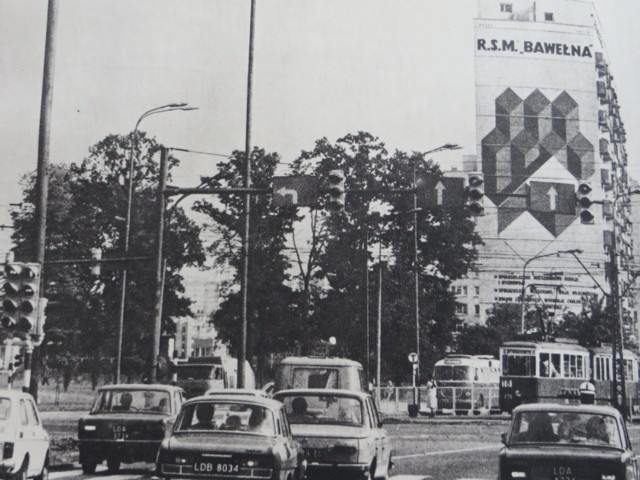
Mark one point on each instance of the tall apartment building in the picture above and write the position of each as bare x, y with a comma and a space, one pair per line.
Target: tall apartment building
547, 121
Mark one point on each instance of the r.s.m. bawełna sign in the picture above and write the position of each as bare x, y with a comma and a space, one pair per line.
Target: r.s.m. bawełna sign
526, 46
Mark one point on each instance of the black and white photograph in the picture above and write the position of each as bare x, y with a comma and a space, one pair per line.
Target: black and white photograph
320, 239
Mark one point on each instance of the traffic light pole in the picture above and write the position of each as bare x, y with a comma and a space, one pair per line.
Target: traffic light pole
160, 207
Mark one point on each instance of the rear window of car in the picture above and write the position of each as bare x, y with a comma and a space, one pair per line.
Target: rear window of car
132, 401
323, 409
5, 408
226, 416
591, 429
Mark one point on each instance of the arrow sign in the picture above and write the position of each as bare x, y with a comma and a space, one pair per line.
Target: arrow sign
436, 190
300, 191
553, 196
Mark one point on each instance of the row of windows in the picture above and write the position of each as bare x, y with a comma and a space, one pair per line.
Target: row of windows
462, 309
462, 290
508, 8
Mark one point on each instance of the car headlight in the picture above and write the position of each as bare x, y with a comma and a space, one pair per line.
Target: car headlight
89, 428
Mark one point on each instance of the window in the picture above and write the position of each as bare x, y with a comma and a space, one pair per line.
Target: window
506, 7
477, 290
24, 419
461, 308
477, 308
518, 362
548, 16
32, 415
550, 364
464, 290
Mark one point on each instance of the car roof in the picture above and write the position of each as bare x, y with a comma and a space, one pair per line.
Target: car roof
236, 391
240, 398
322, 391
14, 394
557, 407
140, 386
320, 362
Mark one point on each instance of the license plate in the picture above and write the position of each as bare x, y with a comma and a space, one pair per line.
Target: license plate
216, 467
313, 453
120, 433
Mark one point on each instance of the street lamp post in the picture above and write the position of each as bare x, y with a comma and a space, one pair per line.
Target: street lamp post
123, 292
524, 271
416, 279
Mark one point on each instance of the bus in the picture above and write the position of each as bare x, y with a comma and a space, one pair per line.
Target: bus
552, 371
467, 384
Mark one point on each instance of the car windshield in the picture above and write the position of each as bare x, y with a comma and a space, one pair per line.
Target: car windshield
566, 427
199, 372
132, 401
226, 416
5, 408
323, 409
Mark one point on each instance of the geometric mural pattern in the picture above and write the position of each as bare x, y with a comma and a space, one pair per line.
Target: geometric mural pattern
528, 133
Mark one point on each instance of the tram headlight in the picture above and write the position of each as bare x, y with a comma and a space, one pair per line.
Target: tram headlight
518, 474
518, 394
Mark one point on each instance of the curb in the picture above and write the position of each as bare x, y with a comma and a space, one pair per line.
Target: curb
62, 467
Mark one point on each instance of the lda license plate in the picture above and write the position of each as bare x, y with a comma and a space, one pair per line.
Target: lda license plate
120, 433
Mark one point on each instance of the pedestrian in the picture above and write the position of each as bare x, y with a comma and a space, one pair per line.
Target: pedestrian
432, 397
390, 390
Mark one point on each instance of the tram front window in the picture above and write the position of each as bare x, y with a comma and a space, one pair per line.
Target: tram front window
517, 363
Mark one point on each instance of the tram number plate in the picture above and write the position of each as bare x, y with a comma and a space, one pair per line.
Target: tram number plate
216, 467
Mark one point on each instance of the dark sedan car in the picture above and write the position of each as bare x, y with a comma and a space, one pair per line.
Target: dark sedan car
229, 436
127, 424
567, 442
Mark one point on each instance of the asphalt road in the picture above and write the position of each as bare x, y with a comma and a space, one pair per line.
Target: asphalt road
442, 448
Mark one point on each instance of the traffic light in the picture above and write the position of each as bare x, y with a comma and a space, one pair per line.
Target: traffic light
583, 196
21, 294
336, 191
17, 361
474, 194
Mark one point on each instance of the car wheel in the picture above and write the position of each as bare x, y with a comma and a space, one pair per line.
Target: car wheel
113, 465
22, 473
89, 468
44, 475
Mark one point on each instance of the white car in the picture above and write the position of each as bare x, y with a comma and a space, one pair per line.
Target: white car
24, 443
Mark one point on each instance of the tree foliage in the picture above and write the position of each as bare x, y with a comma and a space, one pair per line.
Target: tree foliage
86, 204
309, 285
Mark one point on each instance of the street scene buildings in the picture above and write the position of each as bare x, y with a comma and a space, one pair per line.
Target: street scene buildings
547, 121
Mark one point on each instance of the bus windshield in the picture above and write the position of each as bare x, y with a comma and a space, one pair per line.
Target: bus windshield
452, 373
199, 372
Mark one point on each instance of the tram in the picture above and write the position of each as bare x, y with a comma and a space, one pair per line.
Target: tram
549, 371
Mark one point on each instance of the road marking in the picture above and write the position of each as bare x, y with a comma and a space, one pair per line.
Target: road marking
445, 452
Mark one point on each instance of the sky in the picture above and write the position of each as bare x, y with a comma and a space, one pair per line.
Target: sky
401, 70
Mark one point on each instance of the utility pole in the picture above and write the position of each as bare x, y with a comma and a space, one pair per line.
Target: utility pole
365, 250
242, 351
379, 327
160, 208
42, 178
619, 388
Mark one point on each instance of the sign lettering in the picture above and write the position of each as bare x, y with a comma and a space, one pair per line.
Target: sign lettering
528, 46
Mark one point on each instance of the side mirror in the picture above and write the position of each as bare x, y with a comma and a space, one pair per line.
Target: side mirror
503, 438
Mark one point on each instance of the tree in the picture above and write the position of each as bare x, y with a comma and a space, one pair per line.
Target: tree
85, 203
272, 320
446, 243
